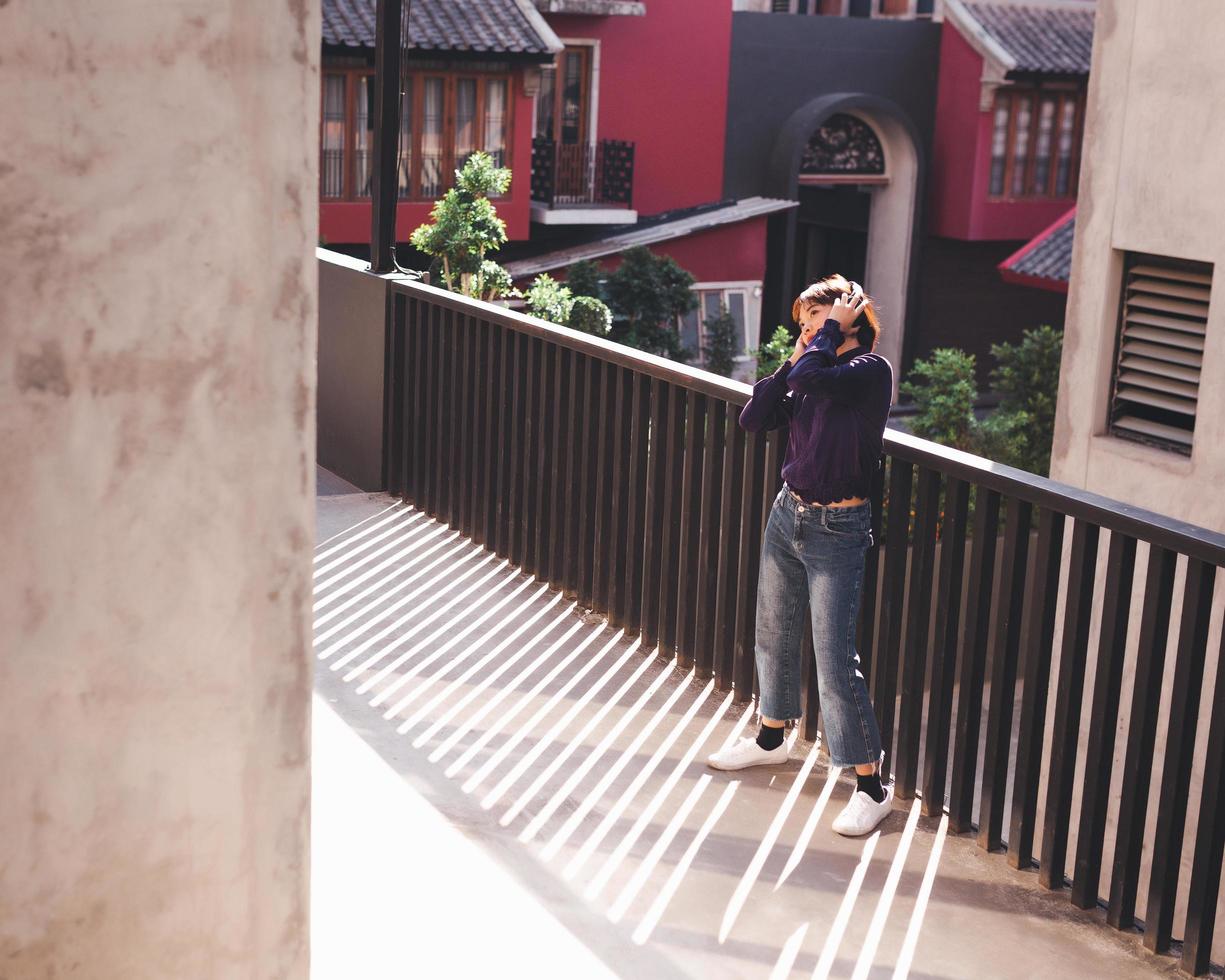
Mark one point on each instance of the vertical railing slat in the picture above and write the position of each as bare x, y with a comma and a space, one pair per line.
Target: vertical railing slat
1205, 885
1069, 693
1037, 632
545, 416
973, 637
1099, 750
865, 629
466, 437
942, 658
516, 446
602, 486
671, 515
654, 509
485, 389
640, 421
561, 470
580, 555
1004, 653
418, 471
752, 487
915, 652
449, 438
1141, 733
619, 477
1177, 762
727, 560
708, 539
690, 529
893, 596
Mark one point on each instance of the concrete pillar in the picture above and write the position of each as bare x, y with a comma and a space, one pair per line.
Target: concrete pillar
158, 186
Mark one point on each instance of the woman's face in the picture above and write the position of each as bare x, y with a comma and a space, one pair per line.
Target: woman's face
813, 317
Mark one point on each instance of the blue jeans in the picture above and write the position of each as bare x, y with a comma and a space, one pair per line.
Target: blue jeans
813, 557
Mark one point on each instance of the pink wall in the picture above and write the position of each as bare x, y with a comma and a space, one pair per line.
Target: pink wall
961, 159
663, 85
730, 253
953, 149
348, 222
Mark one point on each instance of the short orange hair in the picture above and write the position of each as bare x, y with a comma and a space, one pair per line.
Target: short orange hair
824, 292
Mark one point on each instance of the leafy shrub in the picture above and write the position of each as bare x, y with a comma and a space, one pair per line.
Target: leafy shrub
773, 352
590, 315
1026, 376
944, 394
551, 300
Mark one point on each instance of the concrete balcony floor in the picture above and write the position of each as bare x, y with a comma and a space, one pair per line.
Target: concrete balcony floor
506, 786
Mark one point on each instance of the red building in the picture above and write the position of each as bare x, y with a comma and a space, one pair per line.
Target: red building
1010, 109
611, 115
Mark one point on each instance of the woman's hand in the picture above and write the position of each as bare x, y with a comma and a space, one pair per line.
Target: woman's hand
846, 308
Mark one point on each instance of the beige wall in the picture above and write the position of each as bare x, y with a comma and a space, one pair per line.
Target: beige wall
157, 331
1151, 182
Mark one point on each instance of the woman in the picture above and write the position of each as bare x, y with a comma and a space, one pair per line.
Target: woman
833, 393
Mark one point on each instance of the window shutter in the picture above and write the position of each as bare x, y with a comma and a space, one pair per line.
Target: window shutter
1162, 326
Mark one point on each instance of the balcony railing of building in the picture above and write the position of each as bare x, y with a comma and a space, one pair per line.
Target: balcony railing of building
583, 174
626, 481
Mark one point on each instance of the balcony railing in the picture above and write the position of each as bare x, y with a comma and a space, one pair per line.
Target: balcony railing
626, 481
583, 175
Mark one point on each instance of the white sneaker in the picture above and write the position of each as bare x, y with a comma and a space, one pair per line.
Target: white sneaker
746, 752
862, 814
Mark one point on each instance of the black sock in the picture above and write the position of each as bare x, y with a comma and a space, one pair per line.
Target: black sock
871, 785
771, 738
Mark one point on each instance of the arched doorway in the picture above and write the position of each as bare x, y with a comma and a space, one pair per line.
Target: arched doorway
853, 164
842, 158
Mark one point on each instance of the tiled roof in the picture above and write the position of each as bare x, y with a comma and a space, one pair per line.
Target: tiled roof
1045, 260
484, 26
1049, 38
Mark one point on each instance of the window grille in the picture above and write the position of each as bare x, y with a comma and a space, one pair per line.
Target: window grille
1162, 323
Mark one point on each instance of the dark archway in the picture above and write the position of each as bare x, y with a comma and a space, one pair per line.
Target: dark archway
895, 193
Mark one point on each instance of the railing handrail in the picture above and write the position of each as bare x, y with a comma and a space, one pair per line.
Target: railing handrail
1114, 515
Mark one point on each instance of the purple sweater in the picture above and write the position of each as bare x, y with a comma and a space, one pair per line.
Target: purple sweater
836, 408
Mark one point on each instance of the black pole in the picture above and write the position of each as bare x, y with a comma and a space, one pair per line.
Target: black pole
383, 183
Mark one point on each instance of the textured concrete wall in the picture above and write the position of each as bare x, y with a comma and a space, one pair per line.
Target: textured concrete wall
1151, 182
157, 324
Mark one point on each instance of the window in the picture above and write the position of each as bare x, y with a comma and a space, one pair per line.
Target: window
445, 117
741, 300
564, 100
1035, 142
332, 139
1162, 323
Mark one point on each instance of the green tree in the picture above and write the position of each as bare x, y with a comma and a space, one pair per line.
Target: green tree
465, 226
773, 352
944, 392
722, 335
1026, 377
647, 293
584, 277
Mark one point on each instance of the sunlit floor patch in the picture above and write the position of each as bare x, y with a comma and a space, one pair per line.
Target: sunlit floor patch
555, 741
